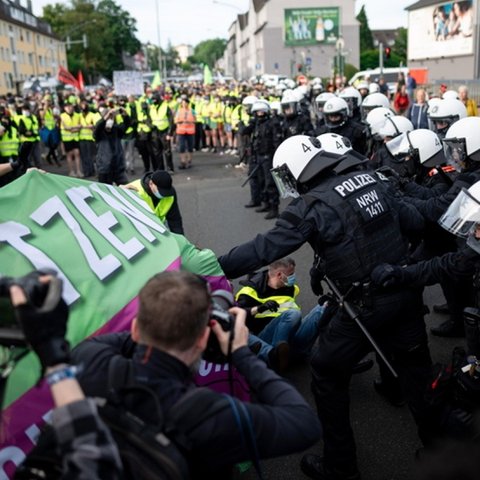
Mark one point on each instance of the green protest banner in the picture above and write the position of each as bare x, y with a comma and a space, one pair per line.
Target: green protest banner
105, 243
311, 26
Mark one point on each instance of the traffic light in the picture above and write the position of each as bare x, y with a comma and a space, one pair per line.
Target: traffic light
387, 51
299, 67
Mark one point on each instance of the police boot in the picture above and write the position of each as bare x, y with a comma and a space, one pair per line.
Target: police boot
265, 207
273, 213
449, 329
313, 467
252, 204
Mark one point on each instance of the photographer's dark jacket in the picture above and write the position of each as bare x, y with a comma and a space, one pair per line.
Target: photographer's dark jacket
256, 291
281, 419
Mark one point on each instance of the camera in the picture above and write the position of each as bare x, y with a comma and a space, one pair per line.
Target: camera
222, 300
11, 333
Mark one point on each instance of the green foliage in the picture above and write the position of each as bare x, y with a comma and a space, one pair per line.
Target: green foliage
350, 70
209, 51
400, 47
110, 31
366, 39
369, 59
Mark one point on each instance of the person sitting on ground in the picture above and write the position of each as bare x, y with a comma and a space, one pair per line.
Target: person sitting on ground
274, 317
157, 190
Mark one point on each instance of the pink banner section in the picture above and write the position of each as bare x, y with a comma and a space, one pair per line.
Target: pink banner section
22, 419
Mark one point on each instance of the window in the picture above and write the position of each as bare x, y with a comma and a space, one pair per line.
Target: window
40, 60
30, 58
29, 37
2, 53
7, 54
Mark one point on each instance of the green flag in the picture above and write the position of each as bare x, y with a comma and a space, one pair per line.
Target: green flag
207, 75
157, 80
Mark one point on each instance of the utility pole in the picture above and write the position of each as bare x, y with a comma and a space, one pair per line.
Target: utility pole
380, 58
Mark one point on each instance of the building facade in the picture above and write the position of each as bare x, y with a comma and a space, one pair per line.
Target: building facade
288, 37
443, 37
184, 51
28, 48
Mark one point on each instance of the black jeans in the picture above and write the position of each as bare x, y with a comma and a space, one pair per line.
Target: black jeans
161, 148
396, 322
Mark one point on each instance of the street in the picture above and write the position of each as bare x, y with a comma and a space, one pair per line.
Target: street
212, 204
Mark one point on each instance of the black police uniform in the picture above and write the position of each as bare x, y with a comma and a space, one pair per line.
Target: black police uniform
264, 141
298, 124
354, 131
352, 223
161, 147
458, 294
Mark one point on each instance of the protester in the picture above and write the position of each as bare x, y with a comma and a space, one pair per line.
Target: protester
417, 113
185, 128
401, 100
470, 104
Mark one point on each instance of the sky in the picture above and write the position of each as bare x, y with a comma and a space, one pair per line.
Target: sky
191, 21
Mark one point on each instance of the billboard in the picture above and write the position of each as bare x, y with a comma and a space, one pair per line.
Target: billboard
441, 30
311, 26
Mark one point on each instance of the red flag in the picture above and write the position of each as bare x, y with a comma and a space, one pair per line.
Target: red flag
81, 83
66, 77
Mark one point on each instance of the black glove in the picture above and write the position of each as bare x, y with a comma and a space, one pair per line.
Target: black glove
270, 305
466, 178
45, 325
386, 275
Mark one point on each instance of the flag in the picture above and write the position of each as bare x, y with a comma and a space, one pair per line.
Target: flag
81, 83
66, 77
157, 80
105, 243
207, 75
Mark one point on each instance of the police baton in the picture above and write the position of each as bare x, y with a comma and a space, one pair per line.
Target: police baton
354, 315
252, 173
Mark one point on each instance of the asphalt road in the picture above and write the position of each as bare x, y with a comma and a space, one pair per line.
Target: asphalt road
211, 201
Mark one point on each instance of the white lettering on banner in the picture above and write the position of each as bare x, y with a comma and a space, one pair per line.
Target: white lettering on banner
103, 223
138, 219
8, 455
33, 432
102, 267
353, 184
206, 368
12, 233
367, 199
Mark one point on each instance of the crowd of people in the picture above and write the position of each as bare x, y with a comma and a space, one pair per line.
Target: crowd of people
389, 201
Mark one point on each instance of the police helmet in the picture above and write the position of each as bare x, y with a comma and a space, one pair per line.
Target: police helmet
376, 119
336, 112
352, 96
462, 217
422, 144
445, 113
289, 103
321, 99
297, 160
373, 100
248, 102
450, 94
374, 87
462, 142
394, 126
260, 105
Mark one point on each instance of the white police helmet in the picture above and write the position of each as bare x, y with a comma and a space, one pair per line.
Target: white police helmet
260, 106
462, 142
376, 119
352, 96
445, 113
451, 94
394, 126
374, 100
335, 112
462, 217
422, 143
297, 160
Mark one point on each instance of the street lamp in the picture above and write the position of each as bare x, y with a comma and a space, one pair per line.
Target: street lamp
161, 68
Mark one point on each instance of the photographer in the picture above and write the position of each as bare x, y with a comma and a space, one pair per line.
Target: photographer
163, 351
108, 135
86, 446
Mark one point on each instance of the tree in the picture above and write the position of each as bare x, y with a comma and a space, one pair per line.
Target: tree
369, 59
209, 51
366, 38
401, 44
110, 31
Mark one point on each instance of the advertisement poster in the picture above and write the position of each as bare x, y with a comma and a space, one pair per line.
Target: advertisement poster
311, 26
442, 30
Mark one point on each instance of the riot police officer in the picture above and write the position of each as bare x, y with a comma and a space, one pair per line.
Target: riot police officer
337, 120
295, 122
352, 222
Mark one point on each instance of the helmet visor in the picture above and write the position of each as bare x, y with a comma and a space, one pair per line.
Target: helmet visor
462, 215
455, 152
285, 182
399, 147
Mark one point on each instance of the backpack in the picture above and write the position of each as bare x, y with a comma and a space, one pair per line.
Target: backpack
148, 449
